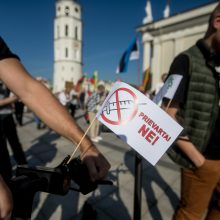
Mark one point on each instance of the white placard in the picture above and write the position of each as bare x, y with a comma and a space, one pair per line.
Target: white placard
138, 121
169, 88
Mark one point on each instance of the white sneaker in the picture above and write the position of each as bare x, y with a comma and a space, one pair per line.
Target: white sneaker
99, 138
95, 140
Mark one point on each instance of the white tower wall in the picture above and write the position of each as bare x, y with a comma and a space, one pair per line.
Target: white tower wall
67, 43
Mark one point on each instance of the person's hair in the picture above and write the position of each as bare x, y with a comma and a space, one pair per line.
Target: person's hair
164, 77
101, 87
210, 29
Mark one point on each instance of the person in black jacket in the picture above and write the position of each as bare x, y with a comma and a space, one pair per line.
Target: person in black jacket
40, 100
196, 107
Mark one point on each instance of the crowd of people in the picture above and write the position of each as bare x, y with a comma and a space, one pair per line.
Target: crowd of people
86, 100
195, 106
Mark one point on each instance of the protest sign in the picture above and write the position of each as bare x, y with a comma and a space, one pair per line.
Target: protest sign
169, 88
138, 121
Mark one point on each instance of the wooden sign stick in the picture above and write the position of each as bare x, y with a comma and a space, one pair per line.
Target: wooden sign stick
77, 147
168, 105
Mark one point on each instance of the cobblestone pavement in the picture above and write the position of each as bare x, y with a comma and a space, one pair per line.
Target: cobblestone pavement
160, 184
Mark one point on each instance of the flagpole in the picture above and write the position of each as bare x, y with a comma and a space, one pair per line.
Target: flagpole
77, 147
139, 71
138, 171
168, 105
137, 188
139, 64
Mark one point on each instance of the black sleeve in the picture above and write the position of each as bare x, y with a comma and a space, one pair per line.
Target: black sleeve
5, 51
180, 66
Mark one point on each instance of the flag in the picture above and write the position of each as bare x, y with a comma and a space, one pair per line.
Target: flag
146, 80
169, 88
79, 84
132, 53
94, 79
81, 80
138, 121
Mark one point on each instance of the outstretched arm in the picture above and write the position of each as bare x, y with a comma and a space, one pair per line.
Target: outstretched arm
40, 100
8, 100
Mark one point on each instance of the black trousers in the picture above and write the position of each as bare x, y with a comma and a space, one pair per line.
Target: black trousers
19, 108
10, 131
5, 164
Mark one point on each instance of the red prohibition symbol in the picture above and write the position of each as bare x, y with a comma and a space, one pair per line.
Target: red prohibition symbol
117, 105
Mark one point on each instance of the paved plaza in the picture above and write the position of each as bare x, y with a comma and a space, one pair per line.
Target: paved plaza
160, 187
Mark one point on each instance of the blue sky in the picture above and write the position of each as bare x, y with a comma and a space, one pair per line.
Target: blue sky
109, 27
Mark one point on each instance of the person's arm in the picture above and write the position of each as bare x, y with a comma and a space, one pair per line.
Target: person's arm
6, 203
40, 100
8, 100
183, 142
180, 66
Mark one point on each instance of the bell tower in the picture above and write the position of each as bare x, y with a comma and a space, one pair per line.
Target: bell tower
67, 43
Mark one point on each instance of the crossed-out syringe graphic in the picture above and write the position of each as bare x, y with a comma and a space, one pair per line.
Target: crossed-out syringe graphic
113, 106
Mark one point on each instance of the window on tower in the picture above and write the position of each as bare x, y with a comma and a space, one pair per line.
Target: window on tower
74, 55
66, 52
66, 30
76, 33
58, 31
67, 10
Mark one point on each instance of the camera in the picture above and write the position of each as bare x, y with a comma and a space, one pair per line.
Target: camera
58, 180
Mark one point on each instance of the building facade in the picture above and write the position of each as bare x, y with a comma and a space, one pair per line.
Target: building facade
67, 44
164, 39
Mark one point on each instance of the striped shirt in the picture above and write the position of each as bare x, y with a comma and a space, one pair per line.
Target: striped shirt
93, 102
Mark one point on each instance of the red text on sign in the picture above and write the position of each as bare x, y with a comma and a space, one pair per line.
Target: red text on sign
155, 127
149, 135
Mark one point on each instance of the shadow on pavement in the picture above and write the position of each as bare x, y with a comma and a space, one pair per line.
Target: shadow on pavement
42, 152
112, 207
149, 177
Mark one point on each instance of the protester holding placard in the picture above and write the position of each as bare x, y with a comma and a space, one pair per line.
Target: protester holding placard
196, 107
39, 99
